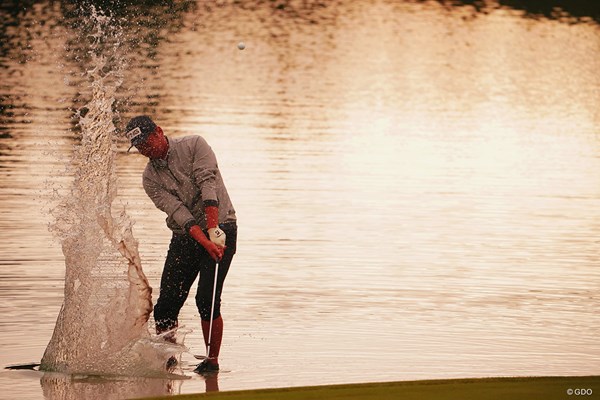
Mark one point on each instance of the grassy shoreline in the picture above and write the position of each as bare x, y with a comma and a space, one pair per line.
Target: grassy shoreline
547, 388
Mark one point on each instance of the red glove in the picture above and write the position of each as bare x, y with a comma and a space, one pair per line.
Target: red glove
215, 251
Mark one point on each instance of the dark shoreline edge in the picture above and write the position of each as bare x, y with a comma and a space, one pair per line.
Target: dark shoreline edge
514, 388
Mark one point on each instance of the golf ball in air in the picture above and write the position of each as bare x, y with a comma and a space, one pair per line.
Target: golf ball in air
241, 45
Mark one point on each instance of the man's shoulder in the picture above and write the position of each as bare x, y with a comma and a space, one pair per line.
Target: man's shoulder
189, 144
190, 139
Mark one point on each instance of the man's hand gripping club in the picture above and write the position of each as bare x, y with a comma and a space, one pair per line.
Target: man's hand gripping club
215, 243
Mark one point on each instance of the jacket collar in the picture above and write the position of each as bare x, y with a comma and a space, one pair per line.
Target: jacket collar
160, 162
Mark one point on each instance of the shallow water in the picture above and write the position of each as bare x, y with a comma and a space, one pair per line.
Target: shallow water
417, 187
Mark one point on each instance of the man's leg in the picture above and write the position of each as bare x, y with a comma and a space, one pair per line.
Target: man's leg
205, 292
180, 271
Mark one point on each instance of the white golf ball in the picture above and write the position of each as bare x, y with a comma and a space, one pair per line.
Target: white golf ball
241, 45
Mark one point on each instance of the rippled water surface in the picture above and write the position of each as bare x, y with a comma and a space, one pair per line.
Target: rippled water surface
417, 186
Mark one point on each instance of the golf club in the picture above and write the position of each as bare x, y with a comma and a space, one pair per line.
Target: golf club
212, 307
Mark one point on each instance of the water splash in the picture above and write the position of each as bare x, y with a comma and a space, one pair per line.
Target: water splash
102, 325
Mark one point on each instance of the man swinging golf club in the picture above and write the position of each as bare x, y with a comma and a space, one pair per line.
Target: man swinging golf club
182, 178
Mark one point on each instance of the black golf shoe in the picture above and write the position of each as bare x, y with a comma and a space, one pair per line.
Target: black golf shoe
206, 368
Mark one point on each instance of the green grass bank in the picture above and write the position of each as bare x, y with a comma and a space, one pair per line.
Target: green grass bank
546, 388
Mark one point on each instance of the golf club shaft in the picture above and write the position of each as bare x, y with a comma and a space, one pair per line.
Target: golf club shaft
212, 308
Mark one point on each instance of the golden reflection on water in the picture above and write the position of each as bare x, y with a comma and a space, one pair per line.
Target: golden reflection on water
417, 189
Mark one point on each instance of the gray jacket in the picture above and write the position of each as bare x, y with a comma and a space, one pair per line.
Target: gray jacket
187, 181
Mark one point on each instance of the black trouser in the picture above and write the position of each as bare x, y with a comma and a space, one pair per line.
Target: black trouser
185, 260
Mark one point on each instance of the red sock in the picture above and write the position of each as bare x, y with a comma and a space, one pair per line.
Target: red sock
215, 338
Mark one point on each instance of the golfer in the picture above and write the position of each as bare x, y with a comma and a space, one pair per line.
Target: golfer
182, 178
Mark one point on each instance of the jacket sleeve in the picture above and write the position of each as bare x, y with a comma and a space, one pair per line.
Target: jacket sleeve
169, 203
205, 170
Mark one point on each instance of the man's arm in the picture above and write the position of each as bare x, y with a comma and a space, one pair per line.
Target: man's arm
205, 170
170, 204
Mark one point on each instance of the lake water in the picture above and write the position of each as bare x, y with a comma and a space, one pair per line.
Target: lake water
417, 186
